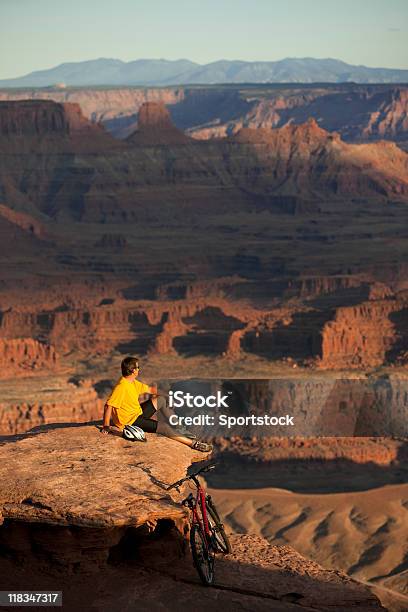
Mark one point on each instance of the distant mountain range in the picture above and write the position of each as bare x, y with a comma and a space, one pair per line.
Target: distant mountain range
151, 72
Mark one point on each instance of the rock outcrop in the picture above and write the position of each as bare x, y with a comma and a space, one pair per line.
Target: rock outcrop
23, 221
96, 502
48, 397
33, 118
41, 118
352, 338
25, 354
362, 112
298, 147
73, 456
21, 234
155, 127
46, 126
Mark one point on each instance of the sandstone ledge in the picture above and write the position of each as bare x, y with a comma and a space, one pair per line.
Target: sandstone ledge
69, 474
74, 502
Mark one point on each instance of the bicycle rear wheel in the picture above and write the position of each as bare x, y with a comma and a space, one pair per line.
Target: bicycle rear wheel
203, 555
221, 541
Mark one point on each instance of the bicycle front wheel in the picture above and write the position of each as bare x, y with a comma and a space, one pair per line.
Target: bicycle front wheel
203, 555
220, 538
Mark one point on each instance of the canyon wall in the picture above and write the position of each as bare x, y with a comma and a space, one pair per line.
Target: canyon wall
352, 338
25, 353
47, 398
362, 112
362, 336
85, 175
357, 112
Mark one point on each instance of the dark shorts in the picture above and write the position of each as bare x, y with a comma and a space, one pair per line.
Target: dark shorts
144, 420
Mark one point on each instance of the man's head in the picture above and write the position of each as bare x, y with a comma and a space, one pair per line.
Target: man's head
129, 365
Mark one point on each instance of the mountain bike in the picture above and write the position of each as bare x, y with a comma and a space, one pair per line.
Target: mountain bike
207, 533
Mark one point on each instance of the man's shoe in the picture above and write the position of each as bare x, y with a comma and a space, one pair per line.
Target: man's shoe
202, 446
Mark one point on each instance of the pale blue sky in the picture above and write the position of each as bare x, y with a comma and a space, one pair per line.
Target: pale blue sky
38, 34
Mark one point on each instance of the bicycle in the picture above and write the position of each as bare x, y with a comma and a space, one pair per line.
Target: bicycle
207, 534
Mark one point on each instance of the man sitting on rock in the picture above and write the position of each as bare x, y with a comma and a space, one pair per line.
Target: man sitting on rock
123, 408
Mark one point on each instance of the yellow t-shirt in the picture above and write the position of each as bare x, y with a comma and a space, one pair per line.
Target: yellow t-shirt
124, 400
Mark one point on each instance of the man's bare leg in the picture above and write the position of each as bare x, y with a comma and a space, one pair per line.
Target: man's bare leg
165, 430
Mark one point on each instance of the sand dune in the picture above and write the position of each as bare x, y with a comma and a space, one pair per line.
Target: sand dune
364, 533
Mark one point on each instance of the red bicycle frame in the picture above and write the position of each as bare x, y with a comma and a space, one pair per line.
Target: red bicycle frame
199, 500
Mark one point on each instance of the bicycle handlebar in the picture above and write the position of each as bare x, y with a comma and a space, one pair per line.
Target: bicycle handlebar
207, 468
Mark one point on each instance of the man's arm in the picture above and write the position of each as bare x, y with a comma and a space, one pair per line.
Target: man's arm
149, 389
107, 411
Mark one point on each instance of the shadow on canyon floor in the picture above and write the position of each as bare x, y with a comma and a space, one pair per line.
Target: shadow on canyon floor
309, 475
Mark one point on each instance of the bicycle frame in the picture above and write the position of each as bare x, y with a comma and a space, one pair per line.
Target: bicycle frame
199, 500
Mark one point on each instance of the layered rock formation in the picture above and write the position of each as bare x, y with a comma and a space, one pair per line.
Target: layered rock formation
350, 337
377, 451
102, 105
250, 169
25, 353
276, 244
22, 237
47, 127
301, 146
48, 397
155, 127
79, 516
23, 221
357, 112
38, 118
